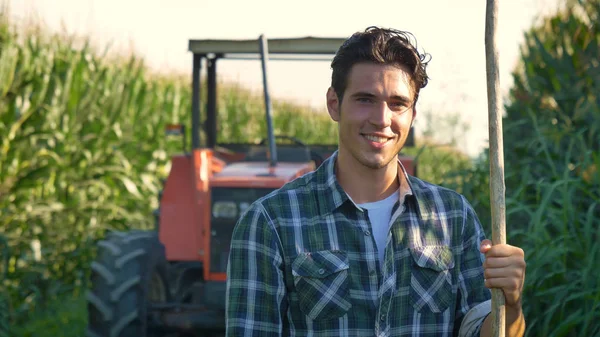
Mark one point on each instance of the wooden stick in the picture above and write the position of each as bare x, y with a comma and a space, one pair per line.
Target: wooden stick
496, 157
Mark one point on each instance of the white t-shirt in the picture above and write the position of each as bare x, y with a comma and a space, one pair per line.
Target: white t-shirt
380, 213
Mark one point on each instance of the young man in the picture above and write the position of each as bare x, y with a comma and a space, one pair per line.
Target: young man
358, 247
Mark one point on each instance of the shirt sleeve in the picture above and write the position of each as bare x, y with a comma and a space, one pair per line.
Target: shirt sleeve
471, 324
473, 296
255, 293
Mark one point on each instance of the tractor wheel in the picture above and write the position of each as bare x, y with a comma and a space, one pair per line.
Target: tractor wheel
129, 274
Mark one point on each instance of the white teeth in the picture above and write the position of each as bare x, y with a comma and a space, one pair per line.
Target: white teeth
376, 139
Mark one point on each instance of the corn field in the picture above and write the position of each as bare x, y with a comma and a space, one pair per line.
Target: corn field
83, 150
551, 145
554, 180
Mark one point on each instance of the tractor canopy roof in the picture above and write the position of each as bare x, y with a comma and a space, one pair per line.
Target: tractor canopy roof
279, 48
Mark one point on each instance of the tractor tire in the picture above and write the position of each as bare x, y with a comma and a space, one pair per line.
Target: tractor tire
129, 273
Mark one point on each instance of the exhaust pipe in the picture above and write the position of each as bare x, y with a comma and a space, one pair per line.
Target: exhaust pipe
264, 55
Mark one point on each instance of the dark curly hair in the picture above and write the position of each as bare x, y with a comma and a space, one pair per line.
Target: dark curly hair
380, 46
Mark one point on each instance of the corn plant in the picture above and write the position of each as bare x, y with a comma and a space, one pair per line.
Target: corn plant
82, 151
552, 144
4, 319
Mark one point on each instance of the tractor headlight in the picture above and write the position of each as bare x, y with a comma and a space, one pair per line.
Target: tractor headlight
224, 209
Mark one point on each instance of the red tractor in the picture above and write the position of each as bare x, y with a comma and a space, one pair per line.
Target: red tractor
171, 281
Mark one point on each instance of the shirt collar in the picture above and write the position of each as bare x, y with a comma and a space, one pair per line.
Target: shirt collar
335, 196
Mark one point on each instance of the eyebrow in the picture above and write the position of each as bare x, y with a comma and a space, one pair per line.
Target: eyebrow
401, 98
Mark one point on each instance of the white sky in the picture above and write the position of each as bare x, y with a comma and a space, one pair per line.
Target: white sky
452, 31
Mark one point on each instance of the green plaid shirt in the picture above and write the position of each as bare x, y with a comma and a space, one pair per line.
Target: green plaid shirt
303, 262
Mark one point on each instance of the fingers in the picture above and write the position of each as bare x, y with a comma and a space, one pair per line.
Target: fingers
499, 262
504, 262
485, 246
508, 284
511, 287
509, 271
500, 250
504, 268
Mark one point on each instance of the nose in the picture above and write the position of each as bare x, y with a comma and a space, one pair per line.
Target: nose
381, 115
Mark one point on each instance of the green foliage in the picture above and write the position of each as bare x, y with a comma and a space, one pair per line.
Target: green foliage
65, 317
4, 312
4, 329
242, 119
554, 182
551, 149
82, 151
437, 163
555, 95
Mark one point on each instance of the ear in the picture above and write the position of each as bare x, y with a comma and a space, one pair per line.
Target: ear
333, 104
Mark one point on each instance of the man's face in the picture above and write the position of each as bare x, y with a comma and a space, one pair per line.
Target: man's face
375, 114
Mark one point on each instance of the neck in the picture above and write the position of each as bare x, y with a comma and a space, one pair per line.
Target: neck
365, 184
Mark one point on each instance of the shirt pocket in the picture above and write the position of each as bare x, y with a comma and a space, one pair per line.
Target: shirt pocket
431, 286
322, 283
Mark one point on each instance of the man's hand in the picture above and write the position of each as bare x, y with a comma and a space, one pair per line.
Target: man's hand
504, 268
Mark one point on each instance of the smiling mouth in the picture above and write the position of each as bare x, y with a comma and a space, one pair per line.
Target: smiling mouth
376, 139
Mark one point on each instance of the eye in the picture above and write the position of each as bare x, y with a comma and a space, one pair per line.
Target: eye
364, 99
399, 106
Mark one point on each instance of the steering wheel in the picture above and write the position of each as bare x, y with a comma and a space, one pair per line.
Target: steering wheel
317, 158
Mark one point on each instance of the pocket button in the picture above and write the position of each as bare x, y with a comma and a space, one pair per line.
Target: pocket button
321, 271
